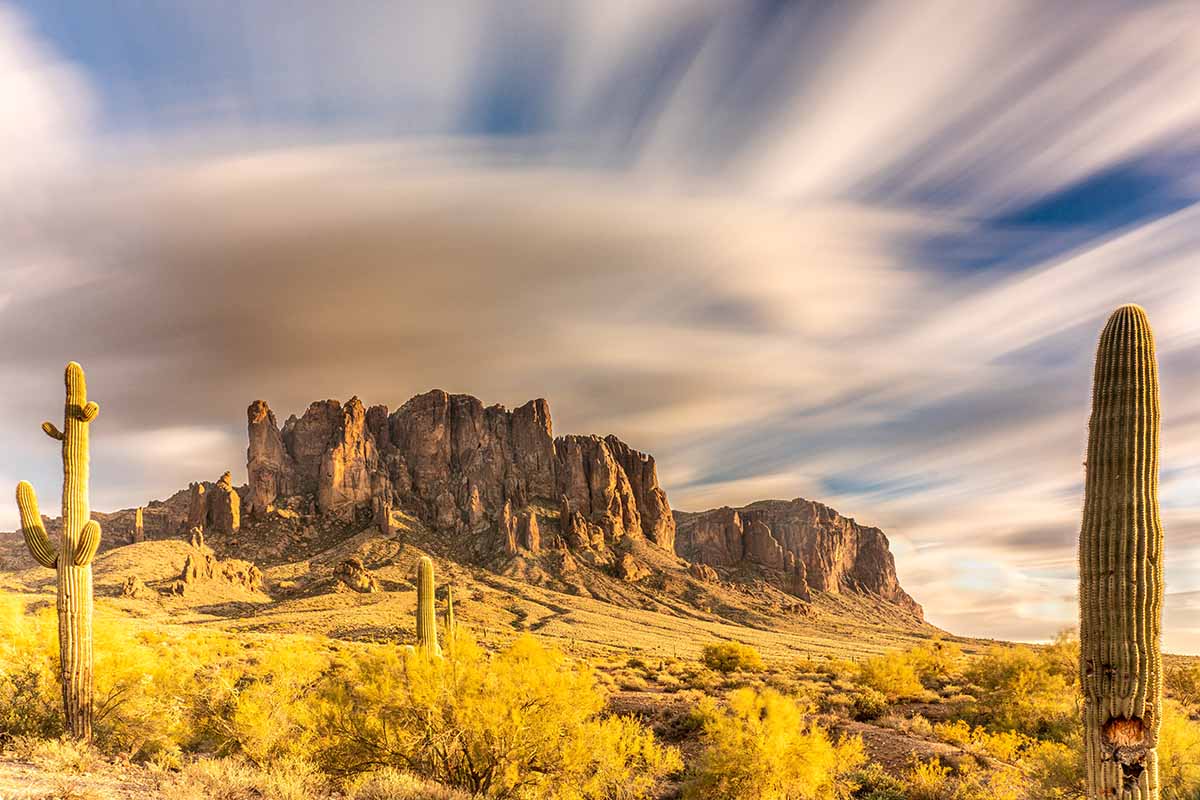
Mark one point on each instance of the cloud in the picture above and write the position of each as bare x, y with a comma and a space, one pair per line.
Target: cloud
791, 250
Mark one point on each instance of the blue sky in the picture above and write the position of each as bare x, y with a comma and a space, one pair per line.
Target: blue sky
853, 252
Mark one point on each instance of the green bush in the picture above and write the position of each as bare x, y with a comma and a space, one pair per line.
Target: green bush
727, 657
760, 748
1020, 689
1179, 754
869, 704
524, 722
893, 674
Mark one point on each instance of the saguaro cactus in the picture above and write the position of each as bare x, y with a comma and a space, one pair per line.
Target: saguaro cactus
139, 527
72, 558
1121, 567
450, 612
427, 639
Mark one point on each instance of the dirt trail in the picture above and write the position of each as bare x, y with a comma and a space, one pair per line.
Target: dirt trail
23, 780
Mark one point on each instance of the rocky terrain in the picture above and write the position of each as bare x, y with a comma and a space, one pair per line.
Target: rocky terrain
540, 532
798, 545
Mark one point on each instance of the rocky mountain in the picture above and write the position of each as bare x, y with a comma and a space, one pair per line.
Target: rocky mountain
498, 484
496, 481
798, 545
492, 489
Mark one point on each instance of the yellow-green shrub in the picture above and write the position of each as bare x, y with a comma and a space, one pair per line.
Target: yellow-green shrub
1179, 755
1020, 689
726, 657
1183, 684
893, 674
760, 748
30, 703
936, 662
261, 705
523, 722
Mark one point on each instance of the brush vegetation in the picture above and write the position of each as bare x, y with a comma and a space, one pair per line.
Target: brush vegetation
215, 714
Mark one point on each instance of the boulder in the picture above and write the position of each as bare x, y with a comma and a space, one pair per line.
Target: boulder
355, 575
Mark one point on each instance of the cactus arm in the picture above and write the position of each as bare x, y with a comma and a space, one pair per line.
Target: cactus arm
31, 526
52, 431
89, 542
90, 411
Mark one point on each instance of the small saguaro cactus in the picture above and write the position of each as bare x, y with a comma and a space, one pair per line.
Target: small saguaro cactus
72, 558
139, 527
450, 612
1121, 567
427, 639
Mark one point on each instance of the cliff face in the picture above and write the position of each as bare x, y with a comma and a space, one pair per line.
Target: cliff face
461, 468
798, 545
498, 482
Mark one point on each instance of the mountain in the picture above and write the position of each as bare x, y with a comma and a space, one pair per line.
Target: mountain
346, 497
798, 545
494, 482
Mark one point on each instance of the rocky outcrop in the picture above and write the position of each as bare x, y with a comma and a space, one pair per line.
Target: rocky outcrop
801, 546
355, 575
268, 464
202, 566
224, 507
215, 508
461, 468
135, 589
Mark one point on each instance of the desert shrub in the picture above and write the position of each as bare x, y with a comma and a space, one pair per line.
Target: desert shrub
1057, 769
868, 703
237, 779
522, 722
973, 782
1183, 684
1020, 689
726, 657
893, 674
259, 706
30, 703
936, 662
927, 780
760, 748
1179, 754
390, 784
875, 782
65, 755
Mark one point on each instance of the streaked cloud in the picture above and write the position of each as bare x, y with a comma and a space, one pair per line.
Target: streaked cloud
853, 252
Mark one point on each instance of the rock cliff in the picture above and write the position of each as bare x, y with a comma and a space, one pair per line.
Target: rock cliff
497, 479
799, 545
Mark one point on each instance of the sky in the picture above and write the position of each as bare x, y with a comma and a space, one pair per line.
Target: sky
854, 252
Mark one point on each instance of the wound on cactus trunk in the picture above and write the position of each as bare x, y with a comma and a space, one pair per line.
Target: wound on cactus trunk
1121, 567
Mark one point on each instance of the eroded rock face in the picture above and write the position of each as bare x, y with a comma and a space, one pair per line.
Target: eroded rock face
800, 545
267, 462
215, 508
461, 467
224, 507
203, 566
355, 575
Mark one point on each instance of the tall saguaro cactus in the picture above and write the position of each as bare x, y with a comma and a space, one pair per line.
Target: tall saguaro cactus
72, 558
427, 638
1121, 567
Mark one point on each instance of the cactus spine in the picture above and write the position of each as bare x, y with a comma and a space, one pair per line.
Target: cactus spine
1121, 567
427, 639
72, 558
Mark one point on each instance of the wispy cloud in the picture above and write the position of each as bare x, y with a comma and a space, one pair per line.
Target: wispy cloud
858, 253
